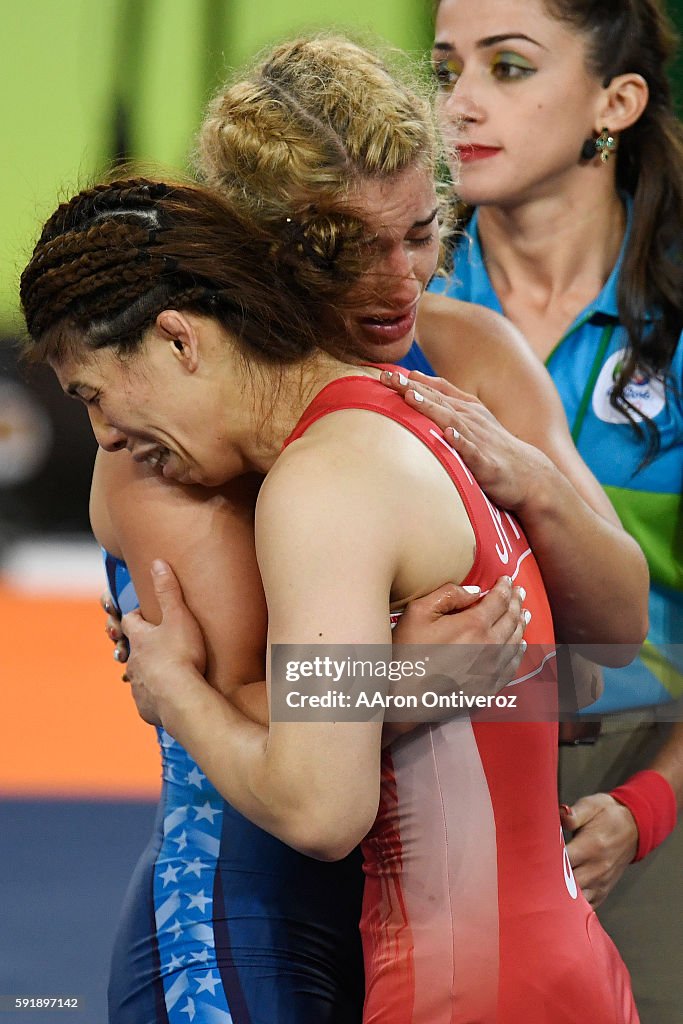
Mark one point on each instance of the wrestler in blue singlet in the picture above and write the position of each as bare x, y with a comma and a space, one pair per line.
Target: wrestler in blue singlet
415, 359
224, 923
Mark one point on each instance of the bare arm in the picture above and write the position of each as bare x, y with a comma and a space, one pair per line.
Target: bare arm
209, 536
296, 780
329, 565
605, 832
595, 573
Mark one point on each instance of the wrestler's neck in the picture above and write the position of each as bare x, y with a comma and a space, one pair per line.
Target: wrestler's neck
273, 402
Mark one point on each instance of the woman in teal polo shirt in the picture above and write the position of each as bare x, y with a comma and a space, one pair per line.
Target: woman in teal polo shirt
569, 161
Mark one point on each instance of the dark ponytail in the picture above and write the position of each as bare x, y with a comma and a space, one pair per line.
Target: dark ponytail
636, 36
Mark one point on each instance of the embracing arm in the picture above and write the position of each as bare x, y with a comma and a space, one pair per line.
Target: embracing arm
313, 784
595, 574
208, 536
329, 568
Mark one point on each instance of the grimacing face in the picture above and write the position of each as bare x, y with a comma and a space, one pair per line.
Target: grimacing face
402, 214
183, 413
168, 413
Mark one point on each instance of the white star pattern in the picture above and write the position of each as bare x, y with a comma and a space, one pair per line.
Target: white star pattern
184, 870
189, 1008
195, 778
188, 851
195, 867
170, 875
208, 983
199, 900
207, 812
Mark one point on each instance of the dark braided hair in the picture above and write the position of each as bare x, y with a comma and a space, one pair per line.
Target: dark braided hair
115, 255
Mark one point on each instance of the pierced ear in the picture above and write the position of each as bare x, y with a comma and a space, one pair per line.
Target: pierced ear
179, 332
625, 99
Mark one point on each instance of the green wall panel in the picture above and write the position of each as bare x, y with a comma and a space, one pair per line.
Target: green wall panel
53, 91
85, 80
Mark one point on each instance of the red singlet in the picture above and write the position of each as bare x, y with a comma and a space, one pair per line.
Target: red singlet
471, 912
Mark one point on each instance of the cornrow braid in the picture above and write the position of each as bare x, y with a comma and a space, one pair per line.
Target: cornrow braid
139, 194
83, 262
113, 257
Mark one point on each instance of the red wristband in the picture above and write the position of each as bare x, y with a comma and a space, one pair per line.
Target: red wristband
652, 802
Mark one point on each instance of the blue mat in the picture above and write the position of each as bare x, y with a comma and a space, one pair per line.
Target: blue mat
64, 869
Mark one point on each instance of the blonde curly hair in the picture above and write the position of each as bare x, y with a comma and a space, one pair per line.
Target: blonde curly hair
291, 143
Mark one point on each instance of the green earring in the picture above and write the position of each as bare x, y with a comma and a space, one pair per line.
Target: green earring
605, 145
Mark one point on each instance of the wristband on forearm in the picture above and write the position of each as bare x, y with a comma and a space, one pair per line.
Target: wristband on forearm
652, 802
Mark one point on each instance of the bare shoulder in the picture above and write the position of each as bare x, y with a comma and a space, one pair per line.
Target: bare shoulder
340, 484
445, 310
464, 341
337, 489
118, 486
109, 475
321, 534
207, 535
204, 533
350, 452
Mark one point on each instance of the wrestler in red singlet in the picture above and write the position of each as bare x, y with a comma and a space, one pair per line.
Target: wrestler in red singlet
471, 911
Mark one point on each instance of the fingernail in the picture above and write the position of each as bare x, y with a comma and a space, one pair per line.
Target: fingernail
566, 810
527, 616
108, 607
386, 375
117, 654
508, 579
417, 396
472, 590
158, 567
125, 678
453, 433
522, 594
523, 646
